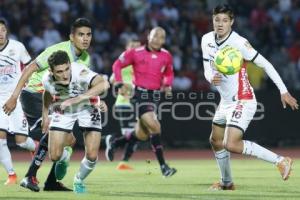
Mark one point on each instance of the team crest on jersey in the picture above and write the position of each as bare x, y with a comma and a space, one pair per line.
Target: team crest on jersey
211, 45
153, 56
84, 72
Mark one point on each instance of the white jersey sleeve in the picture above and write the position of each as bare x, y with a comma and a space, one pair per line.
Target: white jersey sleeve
262, 62
248, 52
208, 72
25, 57
84, 75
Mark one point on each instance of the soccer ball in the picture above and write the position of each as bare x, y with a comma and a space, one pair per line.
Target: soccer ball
228, 60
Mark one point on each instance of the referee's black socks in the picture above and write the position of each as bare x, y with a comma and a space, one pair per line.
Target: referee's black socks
157, 148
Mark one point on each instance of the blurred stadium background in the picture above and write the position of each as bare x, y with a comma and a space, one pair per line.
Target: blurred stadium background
272, 27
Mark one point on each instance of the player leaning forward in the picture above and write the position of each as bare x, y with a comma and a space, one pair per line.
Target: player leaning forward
238, 104
71, 88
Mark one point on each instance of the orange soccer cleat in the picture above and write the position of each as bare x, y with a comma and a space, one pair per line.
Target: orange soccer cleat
11, 180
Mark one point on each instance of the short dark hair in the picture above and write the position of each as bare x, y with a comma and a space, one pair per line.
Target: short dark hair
80, 22
4, 22
224, 8
58, 58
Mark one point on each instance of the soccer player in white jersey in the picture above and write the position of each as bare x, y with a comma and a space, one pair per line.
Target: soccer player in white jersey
238, 104
12, 55
71, 88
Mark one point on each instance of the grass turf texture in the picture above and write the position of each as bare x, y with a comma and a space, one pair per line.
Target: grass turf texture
254, 179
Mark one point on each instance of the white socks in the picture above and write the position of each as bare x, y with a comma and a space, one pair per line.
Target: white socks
253, 149
28, 144
86, 167
223, 160
5, 157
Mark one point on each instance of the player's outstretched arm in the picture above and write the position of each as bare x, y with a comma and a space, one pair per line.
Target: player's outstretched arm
11, 103
288, 99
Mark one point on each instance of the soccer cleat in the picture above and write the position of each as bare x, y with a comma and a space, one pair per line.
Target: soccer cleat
56, 186
124, 166
11, 180
220, 186
31, 183
109, 151
167, 171
285, 167
61, 166
78, 186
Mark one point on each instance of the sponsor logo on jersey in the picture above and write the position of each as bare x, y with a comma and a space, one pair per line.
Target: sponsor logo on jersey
7, 69
84, 72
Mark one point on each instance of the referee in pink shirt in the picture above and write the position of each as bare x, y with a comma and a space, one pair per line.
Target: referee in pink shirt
152, 73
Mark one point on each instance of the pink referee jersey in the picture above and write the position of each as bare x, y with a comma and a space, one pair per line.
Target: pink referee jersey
151, 69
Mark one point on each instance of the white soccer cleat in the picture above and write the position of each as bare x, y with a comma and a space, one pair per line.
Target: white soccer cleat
285, 167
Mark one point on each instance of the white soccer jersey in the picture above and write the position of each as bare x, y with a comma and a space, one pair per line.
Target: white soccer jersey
236, 86
11, 57
80, 82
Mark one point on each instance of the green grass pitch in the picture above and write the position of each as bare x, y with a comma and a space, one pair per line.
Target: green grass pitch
254, 179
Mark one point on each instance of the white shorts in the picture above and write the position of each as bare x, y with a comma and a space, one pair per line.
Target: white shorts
235, 114
16, 122
88, 119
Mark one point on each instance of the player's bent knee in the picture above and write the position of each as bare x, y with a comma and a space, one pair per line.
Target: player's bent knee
92, 157
91, 154
230, 146
55, 155
215, 143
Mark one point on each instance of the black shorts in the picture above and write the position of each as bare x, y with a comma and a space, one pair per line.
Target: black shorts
32, 105
145, 101
125, 115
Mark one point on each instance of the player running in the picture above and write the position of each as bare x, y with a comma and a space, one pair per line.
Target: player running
153, 72
238, 103
71, 89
